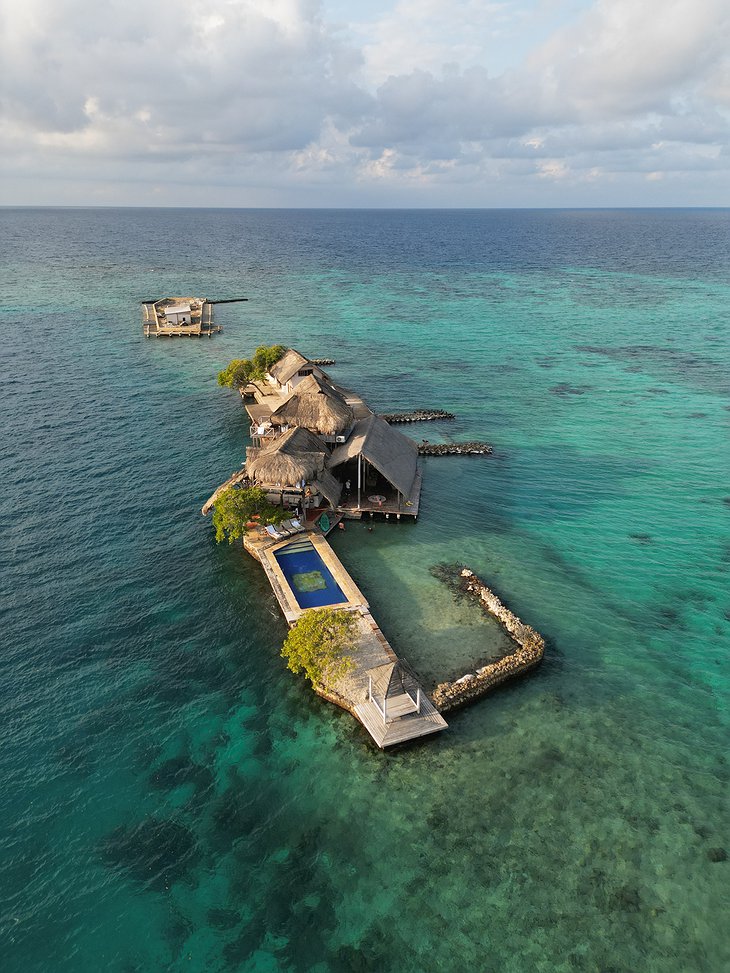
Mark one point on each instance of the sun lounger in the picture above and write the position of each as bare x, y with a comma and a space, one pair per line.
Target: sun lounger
276, 534
290, 526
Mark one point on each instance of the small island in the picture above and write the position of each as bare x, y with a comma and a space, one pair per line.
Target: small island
319, 454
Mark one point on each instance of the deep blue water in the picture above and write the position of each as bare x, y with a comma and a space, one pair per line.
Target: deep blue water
172, 797
296, 563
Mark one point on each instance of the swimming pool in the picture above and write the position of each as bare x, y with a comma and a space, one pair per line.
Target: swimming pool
308, 576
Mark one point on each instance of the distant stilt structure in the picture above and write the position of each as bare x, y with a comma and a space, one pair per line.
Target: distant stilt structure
178, 316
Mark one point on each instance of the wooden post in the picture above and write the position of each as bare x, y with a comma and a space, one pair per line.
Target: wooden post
359, 479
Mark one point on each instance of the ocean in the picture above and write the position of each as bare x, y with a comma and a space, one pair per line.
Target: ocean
172, 797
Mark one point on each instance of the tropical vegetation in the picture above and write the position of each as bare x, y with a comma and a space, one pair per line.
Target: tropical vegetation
236, 509
318, 644
241, 371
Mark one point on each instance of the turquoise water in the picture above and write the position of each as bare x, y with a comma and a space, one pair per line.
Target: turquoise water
173, 798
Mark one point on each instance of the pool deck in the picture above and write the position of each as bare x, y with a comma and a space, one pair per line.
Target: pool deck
282, 589
370, 652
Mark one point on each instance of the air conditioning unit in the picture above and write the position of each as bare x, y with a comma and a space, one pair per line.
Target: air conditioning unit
340, 439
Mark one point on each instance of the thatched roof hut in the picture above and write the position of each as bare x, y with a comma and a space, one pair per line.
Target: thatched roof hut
393, 455
317, 406
328, 486
288, 366
295, 457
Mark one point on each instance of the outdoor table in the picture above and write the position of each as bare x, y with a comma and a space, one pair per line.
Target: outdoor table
377, 498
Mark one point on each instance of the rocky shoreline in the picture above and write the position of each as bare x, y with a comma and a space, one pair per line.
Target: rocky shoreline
529, 650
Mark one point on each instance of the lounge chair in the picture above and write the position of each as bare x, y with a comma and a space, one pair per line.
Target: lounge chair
290, 526
276, 534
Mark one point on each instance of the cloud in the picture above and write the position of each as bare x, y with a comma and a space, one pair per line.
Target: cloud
598, 94
431, 34
277, 101
622, 57
174, 77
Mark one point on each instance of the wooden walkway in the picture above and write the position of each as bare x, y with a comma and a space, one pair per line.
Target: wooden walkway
370, 650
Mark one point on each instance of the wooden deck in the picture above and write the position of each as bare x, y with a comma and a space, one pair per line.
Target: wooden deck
191, 331
369, 650
405, 724
201, 320
390, 507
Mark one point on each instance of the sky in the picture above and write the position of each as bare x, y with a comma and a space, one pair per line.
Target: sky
405, 103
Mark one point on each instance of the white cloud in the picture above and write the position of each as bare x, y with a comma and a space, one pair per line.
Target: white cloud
446, 97
624, 56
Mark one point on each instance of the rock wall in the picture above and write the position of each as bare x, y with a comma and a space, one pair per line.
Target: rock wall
529, 650
332, 696
419, 415
454, 449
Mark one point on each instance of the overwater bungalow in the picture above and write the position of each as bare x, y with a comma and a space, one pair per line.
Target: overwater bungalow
381, 465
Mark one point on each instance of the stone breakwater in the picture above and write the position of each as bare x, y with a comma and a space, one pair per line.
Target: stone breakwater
454, 449
418, 415
529, 650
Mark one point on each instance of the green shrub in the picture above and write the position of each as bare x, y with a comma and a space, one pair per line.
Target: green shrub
318, 643
241, 371
235, 508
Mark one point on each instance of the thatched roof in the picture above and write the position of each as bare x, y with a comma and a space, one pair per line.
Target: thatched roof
392, 454
296, 455
316, 405
359, 406
287, 366
328, 486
